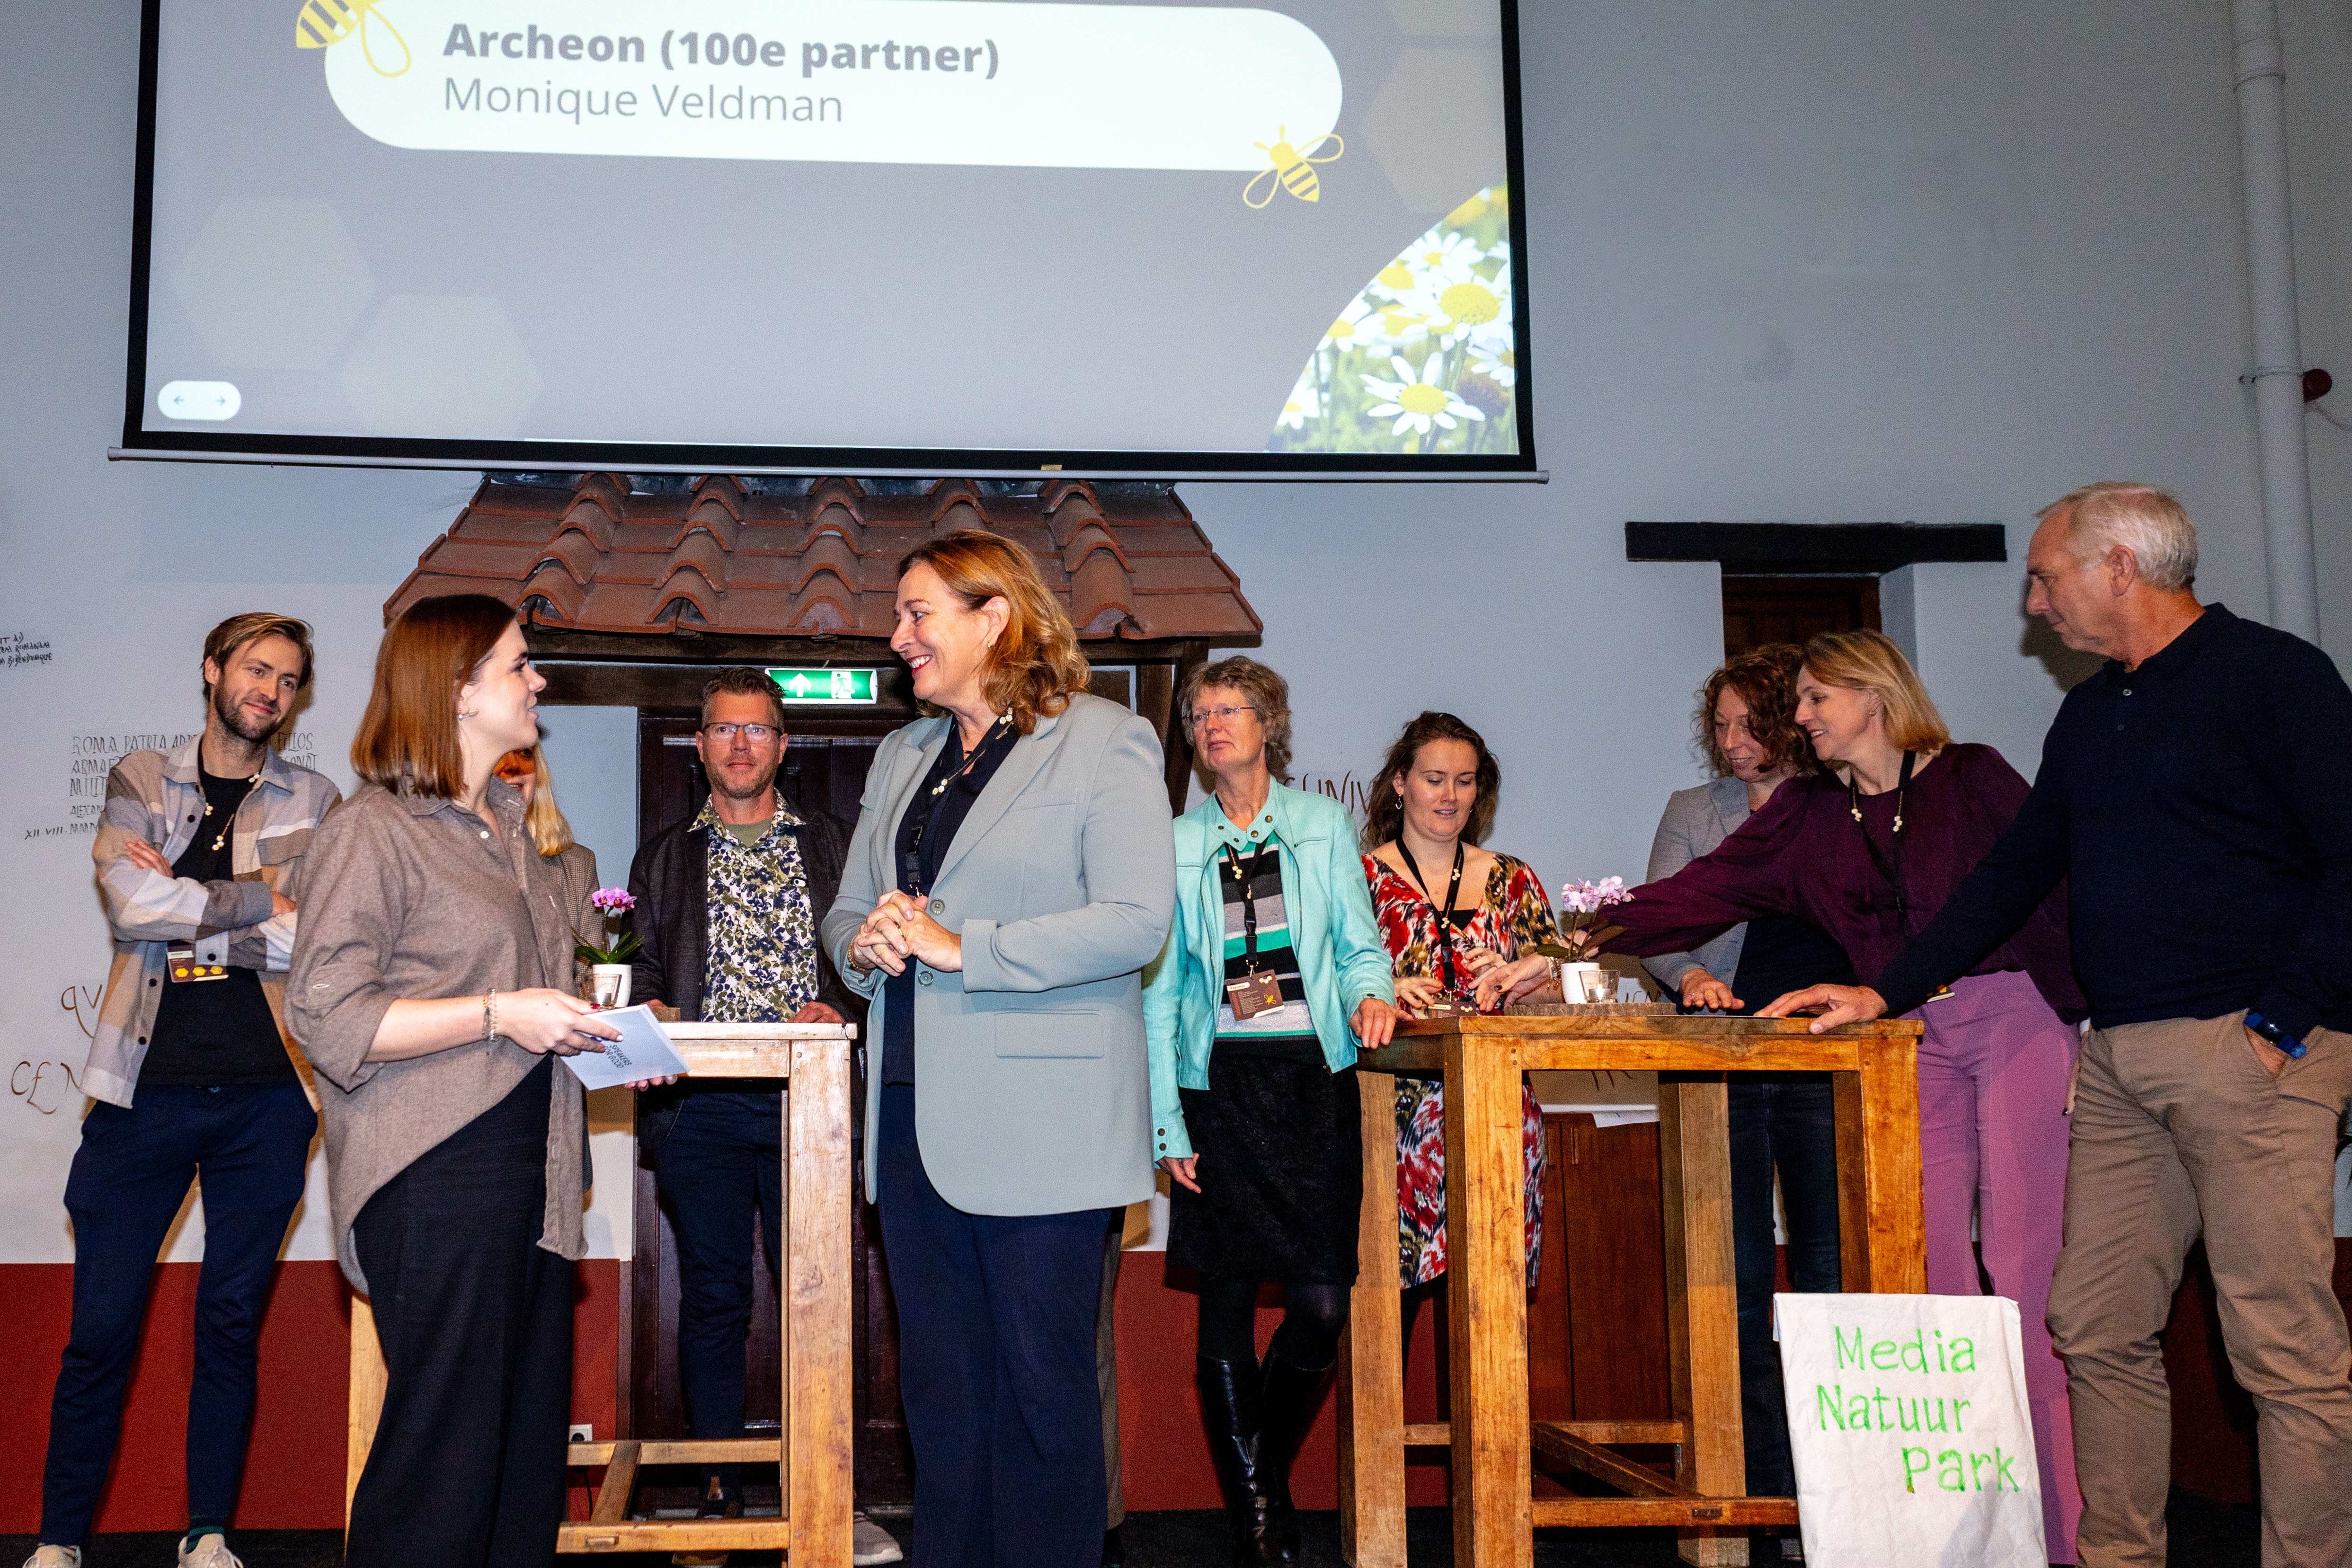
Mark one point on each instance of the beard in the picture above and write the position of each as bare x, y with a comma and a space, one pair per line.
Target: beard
758, 787
236, 721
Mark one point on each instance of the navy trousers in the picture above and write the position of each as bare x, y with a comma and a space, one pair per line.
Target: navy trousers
996, 1361
1784, 1122
718, 1171
250, 1143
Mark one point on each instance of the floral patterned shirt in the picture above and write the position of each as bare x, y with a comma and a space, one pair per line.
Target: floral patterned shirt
1509, 920
1512, 918
760, 965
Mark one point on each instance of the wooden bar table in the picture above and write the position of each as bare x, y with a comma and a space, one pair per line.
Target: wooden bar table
1875, 1069
812, 1453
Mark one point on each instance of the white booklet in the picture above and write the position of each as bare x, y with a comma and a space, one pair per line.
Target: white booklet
644, 1051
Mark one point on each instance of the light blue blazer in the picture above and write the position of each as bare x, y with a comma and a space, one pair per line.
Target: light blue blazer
1696, 821
1034, 1094
1341, 958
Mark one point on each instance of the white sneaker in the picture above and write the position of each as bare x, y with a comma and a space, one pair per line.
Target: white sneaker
55, 1557
870, 1543
210, 1552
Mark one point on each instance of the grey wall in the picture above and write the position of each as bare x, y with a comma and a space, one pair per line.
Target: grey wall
1827, 261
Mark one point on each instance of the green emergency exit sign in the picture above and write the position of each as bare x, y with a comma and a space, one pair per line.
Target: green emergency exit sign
834, 687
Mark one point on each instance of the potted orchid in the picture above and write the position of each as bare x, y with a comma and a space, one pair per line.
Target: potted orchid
608, 963
1585, 929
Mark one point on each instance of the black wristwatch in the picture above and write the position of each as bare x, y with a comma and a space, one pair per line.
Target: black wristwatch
2275, 1035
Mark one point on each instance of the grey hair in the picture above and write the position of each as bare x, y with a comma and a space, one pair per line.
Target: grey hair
1267, 692
2143, 519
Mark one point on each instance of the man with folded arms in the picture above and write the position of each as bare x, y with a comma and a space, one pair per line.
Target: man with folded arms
727, 901
2198, 793
199, 858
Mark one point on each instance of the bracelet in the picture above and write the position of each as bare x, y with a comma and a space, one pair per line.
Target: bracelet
490, 1016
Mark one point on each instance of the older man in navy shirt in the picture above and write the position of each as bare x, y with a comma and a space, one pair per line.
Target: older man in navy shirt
2198, 793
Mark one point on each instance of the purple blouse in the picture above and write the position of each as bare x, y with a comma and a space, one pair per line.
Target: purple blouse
1803, 854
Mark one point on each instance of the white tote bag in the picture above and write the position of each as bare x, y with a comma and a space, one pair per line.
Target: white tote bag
1908, 1425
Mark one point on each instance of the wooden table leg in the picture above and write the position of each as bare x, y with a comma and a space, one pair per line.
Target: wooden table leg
817, 1418
1881, 1219
366, 1399
1370, 1375
1487, 1294
1703, 1302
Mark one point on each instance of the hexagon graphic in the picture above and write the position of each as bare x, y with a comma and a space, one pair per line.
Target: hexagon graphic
273, 283
1447, 18
441, 364
1406, 126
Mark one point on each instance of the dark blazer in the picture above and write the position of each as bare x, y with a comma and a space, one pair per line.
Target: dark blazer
670, 878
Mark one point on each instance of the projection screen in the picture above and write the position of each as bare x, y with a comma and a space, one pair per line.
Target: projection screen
973, 236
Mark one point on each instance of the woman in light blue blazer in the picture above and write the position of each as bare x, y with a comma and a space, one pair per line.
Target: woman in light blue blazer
1009, 879
1273, 973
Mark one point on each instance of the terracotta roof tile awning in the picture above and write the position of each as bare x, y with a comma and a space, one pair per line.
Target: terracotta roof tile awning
798, 558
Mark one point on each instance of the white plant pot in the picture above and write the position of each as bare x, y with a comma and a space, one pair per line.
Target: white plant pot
608, 985
1587, 983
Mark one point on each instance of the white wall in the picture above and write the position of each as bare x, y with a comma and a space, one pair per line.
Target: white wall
1854, 259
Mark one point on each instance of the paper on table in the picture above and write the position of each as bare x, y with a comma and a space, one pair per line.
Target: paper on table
644, 1051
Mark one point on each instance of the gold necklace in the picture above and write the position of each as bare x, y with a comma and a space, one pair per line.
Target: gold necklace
973, 760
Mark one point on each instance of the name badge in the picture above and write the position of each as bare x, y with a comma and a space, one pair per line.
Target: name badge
185, 970
1255, 992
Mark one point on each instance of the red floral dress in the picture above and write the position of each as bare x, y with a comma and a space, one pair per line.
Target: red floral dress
1514, 916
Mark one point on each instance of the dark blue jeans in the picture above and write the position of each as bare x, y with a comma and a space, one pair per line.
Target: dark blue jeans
1783, 1121
250, 1144
718, 1171
996, 1362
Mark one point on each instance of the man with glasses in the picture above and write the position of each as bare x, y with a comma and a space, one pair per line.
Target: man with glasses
727, 901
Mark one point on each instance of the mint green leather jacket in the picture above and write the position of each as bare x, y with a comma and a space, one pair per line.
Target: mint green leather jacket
1340, 955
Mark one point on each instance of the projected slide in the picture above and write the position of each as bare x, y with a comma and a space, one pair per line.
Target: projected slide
882, 229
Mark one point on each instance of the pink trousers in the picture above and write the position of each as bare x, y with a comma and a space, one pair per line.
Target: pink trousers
1994, 1067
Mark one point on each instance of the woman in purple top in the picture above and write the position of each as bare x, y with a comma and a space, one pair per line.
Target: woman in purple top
1869, 854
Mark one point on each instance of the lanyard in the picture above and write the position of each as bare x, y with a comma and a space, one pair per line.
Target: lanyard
1892, 872
1242, 877
1445, 920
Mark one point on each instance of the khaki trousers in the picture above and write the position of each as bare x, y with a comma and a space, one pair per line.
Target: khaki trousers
2181, 1131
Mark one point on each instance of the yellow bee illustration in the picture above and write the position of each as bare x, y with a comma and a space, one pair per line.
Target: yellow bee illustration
323, 23
1293, 166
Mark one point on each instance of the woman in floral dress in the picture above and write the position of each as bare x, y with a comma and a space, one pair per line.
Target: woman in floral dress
1461, 923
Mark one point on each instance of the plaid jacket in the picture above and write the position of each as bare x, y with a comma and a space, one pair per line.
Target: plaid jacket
160, 798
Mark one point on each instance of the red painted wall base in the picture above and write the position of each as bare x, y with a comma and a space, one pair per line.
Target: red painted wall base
294, 1479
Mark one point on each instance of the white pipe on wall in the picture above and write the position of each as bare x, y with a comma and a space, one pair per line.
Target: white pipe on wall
2278, 339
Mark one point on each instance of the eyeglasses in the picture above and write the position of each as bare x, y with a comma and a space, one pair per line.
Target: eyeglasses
1201, 715
757, 734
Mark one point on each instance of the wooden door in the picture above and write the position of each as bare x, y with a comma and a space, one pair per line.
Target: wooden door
1597, 1347
824, 769
1760, 609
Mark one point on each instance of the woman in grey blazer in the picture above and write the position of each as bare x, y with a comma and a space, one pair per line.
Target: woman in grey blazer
1012, 873
1779, 1121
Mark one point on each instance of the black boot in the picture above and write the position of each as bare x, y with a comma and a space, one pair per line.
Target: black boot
1229, 1407
1287, 1400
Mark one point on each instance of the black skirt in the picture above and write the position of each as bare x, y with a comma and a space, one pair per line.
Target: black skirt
1280, 1142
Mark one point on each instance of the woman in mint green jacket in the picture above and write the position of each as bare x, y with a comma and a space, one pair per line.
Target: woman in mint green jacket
1273, 974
